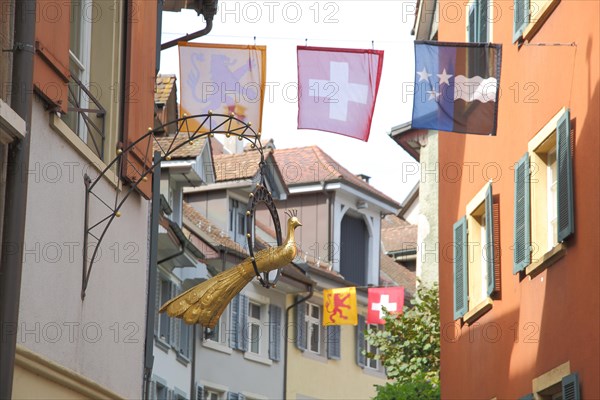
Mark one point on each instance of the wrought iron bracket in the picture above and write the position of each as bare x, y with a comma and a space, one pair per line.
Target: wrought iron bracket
208, 125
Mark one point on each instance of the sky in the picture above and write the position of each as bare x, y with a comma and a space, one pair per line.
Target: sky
282, 26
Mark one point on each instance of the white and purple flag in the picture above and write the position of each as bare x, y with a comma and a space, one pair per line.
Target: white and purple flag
338, 89
456, 87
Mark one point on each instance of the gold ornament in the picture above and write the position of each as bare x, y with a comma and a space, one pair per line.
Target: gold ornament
204, 303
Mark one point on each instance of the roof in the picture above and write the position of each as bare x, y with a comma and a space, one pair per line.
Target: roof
165, 85
297, 166
397, 274
186, 151
397, 234
216, 146
215, 236
232, 167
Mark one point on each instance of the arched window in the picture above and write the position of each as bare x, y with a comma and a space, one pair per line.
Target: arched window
354, 249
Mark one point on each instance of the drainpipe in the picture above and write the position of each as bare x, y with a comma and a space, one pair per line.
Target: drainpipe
151, 298
16, 192
193, 372
287, 343
187, 38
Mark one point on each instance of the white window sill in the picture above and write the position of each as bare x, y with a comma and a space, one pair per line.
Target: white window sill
60, 127
12, 126
257, 358
162, 344
549, 258
476, 312
314, 356
211, 344
378, 373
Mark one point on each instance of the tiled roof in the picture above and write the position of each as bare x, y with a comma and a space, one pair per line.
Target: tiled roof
397, 274
232, 167
193, 150
397, 234
216, 236
306, 165
164, 86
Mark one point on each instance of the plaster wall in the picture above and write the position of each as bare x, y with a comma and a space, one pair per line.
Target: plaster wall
102, 337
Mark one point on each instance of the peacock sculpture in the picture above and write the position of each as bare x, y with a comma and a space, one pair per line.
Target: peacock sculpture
205, 302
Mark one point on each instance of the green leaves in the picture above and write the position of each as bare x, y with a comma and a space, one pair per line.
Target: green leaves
409, 348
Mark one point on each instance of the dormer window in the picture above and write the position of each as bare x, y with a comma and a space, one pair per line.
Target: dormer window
354, 249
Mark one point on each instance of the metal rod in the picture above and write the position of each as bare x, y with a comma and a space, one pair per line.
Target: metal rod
86, 218
152, 273
11, 267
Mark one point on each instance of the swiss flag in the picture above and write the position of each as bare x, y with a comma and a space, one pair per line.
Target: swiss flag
337, 89
390, 298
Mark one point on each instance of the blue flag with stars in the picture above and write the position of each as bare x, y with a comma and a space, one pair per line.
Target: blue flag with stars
456, 87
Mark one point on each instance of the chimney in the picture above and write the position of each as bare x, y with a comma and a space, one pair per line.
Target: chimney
364, 177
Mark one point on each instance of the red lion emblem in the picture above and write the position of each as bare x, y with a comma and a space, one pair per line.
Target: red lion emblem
338, 302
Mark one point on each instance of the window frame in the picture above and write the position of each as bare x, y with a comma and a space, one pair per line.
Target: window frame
474, 8
543, 143
478, 261
309, 321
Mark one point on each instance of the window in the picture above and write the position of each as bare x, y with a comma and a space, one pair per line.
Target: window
475, 266
237, 222
478, 26
219, 333
254, 324
544, 209
210, 394
371, 362
557, 384
166, 291
529, 16
312, 323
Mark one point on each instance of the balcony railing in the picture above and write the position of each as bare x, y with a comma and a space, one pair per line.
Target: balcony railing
86, 116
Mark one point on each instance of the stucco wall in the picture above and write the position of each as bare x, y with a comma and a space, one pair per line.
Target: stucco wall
101, 338
537, 323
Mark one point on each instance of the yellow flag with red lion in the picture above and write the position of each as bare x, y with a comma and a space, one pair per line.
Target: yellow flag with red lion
339, 306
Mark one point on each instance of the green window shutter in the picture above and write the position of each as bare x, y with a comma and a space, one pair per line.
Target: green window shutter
521, 18
300, 326
482, 21
274, 332
157, 304
361, 359
333, 342
565, 212
460, 268
244, 334
527, 397
570, 387
232, 396
472, 27
522, 243
489, 233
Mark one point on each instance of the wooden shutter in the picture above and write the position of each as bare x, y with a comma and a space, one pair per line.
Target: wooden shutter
570, 387
522, 243
300, 327
274, 332
521, 18
461, 303
235, 322
333, 342
565, 212
489, 233
482, 22
140, 79
199, 392
243, 314
361, 359
51, 61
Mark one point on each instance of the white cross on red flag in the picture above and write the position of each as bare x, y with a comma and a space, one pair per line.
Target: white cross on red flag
388, 298
337, 89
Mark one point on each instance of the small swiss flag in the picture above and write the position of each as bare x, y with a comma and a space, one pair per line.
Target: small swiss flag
390, 298
337, 89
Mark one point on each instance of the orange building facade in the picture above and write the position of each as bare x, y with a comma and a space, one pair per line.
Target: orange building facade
523, 321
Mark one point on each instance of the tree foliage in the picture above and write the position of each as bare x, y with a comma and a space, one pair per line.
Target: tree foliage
409, 348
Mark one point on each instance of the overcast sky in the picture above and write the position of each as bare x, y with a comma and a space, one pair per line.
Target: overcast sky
283, 25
